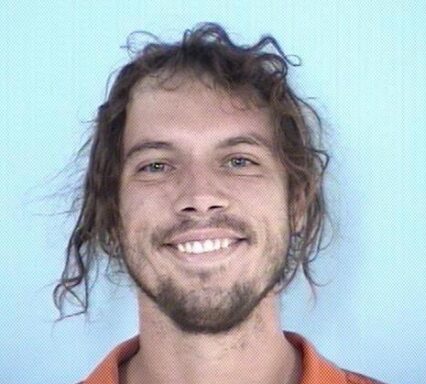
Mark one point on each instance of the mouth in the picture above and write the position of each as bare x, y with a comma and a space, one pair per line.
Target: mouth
205, 246
209, 250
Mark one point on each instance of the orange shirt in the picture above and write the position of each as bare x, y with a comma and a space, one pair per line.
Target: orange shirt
315, 368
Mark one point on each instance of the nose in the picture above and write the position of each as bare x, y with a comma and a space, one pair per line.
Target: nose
200, 193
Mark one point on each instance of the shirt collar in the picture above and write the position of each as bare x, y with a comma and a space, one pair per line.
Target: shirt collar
315, 368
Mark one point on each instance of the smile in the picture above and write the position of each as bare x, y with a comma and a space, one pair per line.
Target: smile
206, 252
204, 246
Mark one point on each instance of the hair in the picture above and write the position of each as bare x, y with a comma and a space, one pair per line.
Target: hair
257, 72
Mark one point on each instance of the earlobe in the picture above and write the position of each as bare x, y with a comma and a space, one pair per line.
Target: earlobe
300, 224
298, 213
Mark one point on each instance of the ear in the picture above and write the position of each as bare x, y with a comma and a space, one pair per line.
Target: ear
298, 207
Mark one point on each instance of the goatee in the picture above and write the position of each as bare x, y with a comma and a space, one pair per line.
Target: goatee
209, 310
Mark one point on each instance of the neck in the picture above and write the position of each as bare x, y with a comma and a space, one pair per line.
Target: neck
254, 352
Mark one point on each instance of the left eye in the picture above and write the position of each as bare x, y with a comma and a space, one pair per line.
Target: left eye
240, 162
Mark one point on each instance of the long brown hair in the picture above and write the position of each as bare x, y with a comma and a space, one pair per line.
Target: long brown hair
260, 72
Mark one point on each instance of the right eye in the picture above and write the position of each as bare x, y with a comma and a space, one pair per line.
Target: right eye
154, 167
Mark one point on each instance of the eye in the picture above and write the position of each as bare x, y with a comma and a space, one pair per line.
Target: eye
154, 167
240, 162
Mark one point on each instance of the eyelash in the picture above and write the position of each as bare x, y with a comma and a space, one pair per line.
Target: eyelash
245, 159
141, 169
242, 158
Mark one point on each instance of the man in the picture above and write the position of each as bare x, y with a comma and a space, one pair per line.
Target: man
205, 183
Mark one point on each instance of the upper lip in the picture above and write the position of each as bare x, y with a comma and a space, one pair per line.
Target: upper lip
204, 234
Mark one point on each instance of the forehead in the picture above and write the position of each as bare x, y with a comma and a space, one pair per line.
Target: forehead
190, 110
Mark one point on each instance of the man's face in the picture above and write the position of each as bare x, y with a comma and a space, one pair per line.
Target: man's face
203, 203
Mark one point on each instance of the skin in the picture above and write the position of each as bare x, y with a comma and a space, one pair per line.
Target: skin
197, 183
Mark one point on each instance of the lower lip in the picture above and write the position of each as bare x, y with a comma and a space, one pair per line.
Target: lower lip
208, 257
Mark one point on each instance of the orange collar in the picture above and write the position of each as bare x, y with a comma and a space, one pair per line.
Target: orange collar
315, 368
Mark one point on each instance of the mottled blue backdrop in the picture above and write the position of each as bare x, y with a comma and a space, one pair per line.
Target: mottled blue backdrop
364, 63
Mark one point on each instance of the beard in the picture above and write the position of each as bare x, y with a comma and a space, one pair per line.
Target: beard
211, 309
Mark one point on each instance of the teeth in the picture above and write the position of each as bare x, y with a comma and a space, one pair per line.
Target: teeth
197, 247
204, 246
208, 246
188, 247
225, 243
181, 247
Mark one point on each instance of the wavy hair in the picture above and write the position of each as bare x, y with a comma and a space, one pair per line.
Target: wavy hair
257, 72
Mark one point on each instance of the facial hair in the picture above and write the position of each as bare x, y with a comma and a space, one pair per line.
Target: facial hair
208, 309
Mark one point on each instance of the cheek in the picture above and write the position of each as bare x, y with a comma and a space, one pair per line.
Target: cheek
136, 201
129, 203
264, 198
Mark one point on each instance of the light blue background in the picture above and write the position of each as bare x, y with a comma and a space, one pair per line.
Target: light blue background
363, 61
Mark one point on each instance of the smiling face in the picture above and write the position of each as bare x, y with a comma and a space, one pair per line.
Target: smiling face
203, 204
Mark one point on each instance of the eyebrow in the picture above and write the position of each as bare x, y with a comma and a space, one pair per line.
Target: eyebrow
251, 139
146, 145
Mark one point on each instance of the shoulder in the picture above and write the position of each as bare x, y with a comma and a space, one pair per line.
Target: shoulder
319, 370
357, 378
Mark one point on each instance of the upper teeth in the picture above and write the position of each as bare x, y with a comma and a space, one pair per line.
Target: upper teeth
204, 246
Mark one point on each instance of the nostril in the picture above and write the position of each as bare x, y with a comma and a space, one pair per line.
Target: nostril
194, 209
188, 209
215, 207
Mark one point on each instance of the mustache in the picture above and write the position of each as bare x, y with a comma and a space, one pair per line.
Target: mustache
160, 235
